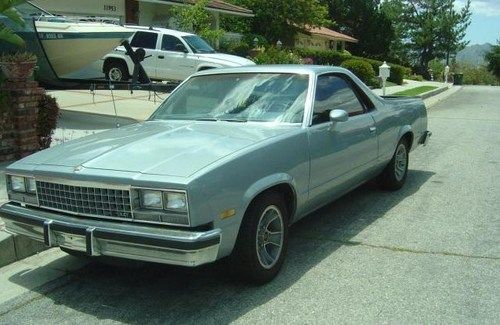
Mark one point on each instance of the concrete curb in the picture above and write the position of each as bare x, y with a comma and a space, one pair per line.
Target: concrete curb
16, 247
434, 92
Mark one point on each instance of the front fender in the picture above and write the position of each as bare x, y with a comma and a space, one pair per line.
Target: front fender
265, 183
117, 56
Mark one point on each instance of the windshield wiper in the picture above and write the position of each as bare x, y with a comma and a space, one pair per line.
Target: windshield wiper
233, 120
212, 119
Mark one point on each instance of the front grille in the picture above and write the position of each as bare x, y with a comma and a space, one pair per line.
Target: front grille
89, 201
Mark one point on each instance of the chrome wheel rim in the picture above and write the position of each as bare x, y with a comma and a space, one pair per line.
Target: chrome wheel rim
400, 162
269, 239
115, 74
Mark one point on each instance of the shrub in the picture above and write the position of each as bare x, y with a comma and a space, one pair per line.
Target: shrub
48, 113
236, 48
324, 57
398, 72
275, 56
362, 69
477, 75
415, 77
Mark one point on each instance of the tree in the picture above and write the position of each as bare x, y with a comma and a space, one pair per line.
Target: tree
493, 60
282, 19
398, 49
7, 8
197, 19
364, 20
435, 29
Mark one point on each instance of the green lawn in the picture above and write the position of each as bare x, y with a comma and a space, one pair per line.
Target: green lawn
415, 91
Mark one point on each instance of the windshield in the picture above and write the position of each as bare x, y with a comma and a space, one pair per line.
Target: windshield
263, 97
198, 44
30, 10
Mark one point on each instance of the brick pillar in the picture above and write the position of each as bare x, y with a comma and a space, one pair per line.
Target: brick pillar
22, 100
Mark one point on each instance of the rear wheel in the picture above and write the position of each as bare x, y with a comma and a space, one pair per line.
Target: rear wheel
116, 71
262, 240
394, 175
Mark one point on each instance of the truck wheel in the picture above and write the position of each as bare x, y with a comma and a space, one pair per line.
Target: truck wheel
116, 71
394, 175
262, 240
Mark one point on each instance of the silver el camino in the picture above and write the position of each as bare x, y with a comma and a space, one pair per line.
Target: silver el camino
224, 166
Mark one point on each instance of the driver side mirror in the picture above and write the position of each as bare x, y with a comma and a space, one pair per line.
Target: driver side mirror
338, 115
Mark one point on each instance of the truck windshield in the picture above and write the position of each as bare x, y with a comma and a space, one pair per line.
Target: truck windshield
198, 44
260, 97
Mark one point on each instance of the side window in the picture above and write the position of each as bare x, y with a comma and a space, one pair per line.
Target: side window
333, 92
145, 40
171, 43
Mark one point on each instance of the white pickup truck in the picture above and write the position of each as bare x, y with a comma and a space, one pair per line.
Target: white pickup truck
170, 55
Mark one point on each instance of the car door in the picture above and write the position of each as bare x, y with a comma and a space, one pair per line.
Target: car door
148, 41
175, 60
340, 152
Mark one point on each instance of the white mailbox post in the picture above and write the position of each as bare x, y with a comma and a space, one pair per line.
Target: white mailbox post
384, 72
446, 73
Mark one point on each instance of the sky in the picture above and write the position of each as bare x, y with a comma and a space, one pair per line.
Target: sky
485, 22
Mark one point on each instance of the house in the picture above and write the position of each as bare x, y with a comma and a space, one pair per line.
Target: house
137, 12
322, 38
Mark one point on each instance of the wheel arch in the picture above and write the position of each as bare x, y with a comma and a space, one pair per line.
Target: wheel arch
111, 59
281, 183
406, 133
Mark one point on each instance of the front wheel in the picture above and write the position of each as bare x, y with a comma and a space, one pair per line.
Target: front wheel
262, 240
394, 175
116, 71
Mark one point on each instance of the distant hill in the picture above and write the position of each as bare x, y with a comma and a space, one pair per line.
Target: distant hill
473, 54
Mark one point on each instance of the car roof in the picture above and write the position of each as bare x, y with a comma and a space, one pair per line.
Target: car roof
159, 29
276, 68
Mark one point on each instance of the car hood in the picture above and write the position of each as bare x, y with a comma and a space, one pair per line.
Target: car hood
174, 148
225, 59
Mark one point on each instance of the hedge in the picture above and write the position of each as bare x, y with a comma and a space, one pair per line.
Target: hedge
362, 69
327, 57
323, 57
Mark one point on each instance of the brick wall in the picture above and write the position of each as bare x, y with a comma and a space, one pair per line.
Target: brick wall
18, 136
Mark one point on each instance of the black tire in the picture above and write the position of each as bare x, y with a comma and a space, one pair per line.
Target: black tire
245, 259
394, 175
116, 71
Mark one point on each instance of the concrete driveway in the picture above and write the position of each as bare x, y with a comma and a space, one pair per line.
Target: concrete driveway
429, 253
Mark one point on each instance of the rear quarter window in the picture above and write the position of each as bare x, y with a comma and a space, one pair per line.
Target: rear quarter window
145, 40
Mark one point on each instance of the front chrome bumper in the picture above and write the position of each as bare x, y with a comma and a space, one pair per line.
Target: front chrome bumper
106, 238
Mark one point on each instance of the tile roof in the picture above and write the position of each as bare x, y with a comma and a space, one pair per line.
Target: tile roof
323, 31
218, 5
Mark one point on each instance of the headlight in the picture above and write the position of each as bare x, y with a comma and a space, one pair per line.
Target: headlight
151, 199
175, 201
160, 206
17, 184
31, 185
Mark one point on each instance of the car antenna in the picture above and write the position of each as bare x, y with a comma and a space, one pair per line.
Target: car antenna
111, 87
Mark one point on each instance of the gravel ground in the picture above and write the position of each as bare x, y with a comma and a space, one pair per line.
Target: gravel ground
429, 253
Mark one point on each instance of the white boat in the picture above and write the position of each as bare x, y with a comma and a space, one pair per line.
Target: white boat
71, 45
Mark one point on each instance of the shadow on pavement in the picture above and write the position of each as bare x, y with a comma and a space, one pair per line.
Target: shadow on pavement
161, 294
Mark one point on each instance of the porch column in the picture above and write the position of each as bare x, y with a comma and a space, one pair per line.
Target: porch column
342, 45
335, 45
216, 26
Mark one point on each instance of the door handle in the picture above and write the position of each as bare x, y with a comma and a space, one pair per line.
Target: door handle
161, 57
373, 129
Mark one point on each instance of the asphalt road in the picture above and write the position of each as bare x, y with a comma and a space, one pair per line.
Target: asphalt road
429, 253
